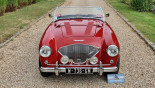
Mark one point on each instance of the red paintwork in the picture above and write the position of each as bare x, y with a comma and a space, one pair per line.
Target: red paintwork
57, 36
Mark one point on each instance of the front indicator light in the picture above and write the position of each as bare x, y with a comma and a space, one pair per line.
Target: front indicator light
111, 61
94, 60
64, 60
46, 61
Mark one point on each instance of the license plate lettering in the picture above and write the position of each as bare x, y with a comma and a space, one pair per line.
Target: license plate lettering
72, 70
84, 71
78, 71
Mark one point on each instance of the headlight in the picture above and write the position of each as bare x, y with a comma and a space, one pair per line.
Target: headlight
112, 50
45, 51
64, 60
93, 60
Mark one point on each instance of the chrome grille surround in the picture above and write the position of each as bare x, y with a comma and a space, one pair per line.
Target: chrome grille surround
78, 52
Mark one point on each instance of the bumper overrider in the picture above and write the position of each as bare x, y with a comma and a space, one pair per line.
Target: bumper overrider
58, 69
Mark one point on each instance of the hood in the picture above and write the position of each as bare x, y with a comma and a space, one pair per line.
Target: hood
87, 29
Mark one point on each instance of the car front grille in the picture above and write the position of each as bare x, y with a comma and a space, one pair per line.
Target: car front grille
78, 52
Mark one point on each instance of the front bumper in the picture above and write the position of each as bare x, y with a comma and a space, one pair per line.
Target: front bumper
58, 70
63, 70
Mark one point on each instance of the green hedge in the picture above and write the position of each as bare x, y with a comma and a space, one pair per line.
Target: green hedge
3, 4
35, 1
30, 2
11, 5
22, 3
142, 5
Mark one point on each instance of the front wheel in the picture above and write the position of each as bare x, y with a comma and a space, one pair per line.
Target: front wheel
44, 74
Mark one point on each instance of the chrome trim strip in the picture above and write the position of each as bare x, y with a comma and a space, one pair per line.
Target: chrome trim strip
51, 64
106, 64
78, 65
78, 40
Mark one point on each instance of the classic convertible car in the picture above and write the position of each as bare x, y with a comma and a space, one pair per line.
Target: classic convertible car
79, 41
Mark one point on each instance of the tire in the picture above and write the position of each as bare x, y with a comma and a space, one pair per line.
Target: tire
118, 65
44, 74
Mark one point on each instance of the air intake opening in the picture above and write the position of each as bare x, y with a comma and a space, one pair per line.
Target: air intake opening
78, 52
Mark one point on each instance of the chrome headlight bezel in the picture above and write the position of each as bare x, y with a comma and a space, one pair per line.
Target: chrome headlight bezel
112, 50
45, 51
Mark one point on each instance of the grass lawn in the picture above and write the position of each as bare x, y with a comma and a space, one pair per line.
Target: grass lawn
12, 22
143, 21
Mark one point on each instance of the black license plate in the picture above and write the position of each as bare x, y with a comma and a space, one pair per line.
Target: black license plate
79, 71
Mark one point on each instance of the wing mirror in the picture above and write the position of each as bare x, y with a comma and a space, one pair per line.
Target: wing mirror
50, 15
107, 15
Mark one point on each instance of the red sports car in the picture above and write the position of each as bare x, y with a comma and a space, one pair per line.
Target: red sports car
79, 41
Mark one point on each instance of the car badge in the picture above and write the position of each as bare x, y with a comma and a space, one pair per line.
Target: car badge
78, 40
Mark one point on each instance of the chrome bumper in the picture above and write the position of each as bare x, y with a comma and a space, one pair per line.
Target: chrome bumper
63, 70
58, 70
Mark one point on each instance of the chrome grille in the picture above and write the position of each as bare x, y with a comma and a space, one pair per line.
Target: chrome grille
78, 52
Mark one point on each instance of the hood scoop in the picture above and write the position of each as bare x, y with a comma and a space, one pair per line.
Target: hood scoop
78, 30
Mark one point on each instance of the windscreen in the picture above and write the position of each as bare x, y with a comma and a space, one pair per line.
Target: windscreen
78, 12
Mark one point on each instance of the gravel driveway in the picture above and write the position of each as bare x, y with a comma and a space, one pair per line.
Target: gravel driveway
19, 58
